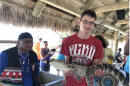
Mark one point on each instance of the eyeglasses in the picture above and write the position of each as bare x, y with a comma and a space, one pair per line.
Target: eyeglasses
87, 22
27, 41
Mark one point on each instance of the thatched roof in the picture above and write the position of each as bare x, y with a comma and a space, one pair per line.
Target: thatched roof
63, 15
21, 16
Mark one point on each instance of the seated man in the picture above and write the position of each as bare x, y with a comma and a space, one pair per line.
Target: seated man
19, 65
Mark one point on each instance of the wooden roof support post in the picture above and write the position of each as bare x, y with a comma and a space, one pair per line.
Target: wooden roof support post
38, 9
117, 35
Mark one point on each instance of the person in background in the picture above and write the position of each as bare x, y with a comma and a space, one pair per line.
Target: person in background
37, 48
19, 65
127, 53
46, 53
104, 44
60, 57
118, 56
82, 48
110, 54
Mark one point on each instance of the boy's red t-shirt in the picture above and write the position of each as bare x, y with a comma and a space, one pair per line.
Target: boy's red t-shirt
82, 51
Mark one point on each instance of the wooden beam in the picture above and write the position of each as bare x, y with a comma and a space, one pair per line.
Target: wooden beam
38, 9
112, 27
79, 2
107, 16
87, 5
8, 41
65, 15
59, 4
125, 27
116, 6
119, 22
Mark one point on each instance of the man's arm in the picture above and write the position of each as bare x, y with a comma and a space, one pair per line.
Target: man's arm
119, 58
36, 72
3, 61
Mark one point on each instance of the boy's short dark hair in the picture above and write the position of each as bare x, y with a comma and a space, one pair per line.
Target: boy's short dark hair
89, 13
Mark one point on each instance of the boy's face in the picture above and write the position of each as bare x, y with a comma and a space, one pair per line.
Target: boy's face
87, 24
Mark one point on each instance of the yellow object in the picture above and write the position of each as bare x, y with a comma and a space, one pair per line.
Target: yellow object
44, 61
109, 52
37, 49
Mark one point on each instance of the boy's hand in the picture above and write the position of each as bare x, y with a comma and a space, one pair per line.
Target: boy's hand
99, 73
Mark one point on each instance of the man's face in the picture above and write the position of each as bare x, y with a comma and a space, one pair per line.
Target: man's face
26, 44
87, 24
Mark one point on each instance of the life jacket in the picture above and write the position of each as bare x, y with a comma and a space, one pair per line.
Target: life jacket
12, 73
